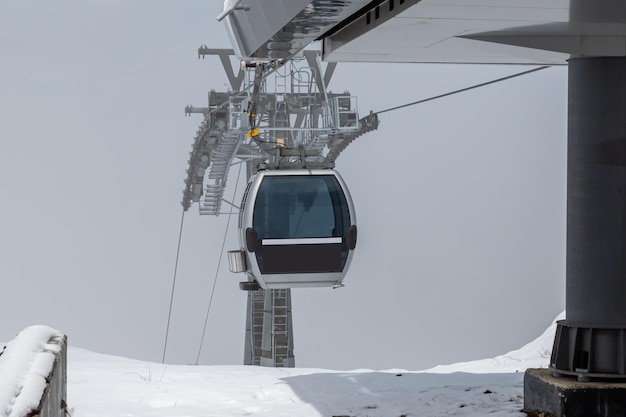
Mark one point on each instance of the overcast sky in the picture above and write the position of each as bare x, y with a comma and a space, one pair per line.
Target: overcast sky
460, 201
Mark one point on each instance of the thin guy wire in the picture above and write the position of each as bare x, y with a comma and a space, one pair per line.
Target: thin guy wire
169, 314
465, 89
217, 270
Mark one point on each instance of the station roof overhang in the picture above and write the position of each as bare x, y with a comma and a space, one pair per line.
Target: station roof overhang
534, 32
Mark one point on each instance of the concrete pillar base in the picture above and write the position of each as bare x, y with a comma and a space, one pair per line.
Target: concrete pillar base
547, 395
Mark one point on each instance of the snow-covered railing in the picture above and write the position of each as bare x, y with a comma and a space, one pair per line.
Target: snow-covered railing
33, 379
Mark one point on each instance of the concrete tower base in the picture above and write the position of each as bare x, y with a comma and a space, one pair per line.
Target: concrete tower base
546, 395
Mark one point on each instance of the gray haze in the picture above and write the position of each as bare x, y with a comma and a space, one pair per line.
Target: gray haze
460, 201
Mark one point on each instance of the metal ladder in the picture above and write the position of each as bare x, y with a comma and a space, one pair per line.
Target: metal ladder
277, 341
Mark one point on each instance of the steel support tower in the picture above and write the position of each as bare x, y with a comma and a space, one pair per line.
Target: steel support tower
591, 341
590, 344
295, 118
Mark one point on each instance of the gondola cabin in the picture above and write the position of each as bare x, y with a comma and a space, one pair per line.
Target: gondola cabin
297, 228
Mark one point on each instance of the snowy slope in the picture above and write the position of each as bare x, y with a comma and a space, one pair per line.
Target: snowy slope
535, 354
102, 385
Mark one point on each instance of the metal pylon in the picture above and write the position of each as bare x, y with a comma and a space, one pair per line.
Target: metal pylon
269, 326
285, 121
269, 329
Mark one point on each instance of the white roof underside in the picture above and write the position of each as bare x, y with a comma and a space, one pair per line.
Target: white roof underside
444, 31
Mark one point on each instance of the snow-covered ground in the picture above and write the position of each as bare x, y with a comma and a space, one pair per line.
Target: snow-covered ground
104, 385
101, 385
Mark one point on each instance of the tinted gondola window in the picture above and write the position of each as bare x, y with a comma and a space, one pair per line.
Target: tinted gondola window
300, 206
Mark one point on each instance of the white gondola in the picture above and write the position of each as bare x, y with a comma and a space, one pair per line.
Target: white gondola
297, 229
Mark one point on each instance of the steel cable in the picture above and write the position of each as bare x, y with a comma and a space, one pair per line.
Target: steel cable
464, 89
169, 314
217, 269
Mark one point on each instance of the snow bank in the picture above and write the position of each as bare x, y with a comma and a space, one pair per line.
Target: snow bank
25, 363
535, 354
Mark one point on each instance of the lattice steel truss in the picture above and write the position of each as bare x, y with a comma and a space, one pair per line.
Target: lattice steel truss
297, 123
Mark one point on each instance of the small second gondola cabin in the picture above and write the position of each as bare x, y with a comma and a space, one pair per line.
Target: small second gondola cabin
297, 228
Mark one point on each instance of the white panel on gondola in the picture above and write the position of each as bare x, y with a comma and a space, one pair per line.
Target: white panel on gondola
298, 228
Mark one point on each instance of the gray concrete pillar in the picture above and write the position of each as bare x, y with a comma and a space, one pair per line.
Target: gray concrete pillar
590, 341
